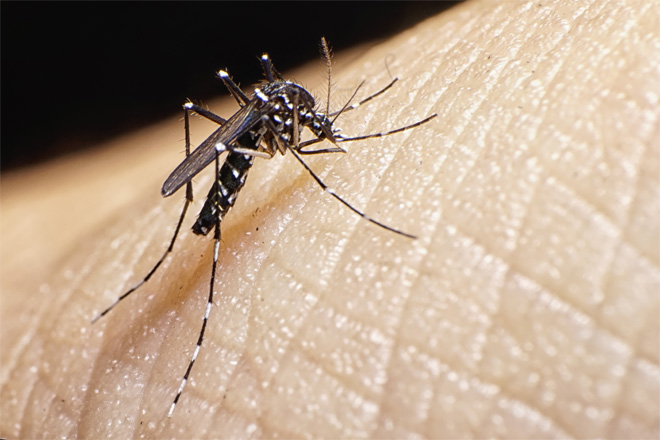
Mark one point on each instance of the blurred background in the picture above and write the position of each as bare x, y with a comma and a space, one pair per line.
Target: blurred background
79, 73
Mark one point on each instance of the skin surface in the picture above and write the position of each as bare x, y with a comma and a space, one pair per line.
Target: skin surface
528, 307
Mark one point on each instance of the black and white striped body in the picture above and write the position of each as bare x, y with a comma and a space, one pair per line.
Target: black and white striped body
224, 190
274, 101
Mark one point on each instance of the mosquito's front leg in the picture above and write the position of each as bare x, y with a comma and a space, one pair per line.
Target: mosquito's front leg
302, 145
182, 216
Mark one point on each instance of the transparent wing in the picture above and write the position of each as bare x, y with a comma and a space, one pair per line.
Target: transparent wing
240, 123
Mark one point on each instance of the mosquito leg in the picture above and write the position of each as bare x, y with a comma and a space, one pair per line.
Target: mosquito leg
325, 187
271, 73
387, 133
296, 119
182, 216
335, 149
302, 145
209, 303
190, 107
357, 138
157, 265
207, 312
345, 203
323, 151
235, 91
347, 107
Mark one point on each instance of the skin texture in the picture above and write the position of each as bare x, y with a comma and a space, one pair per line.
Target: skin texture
527, 307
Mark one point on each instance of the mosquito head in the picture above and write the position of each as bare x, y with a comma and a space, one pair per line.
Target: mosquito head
321, 126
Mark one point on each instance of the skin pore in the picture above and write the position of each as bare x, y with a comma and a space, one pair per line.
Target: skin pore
527, 307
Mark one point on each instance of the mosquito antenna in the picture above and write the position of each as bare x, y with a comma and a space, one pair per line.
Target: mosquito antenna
325, 50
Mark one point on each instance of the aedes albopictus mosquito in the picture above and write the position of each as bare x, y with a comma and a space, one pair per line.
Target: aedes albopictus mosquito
269, 122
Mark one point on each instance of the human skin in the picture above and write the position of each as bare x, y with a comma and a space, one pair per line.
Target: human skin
527, 307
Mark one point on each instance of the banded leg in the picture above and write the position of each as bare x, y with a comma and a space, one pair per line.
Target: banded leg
325, 187
347, 107
271, 73
339, 138
297, 151
209, 303
189, 107
234, 90
344, 202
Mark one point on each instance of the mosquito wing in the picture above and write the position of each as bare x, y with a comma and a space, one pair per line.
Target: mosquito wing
240, 123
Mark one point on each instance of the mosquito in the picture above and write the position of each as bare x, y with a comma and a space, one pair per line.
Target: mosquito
270, 121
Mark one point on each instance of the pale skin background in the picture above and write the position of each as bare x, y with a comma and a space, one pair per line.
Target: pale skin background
527, 307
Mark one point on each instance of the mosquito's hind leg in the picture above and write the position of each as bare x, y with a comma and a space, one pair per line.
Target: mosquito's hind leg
209, 303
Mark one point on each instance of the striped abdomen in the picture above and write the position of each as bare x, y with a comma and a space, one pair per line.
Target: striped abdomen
225, 189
